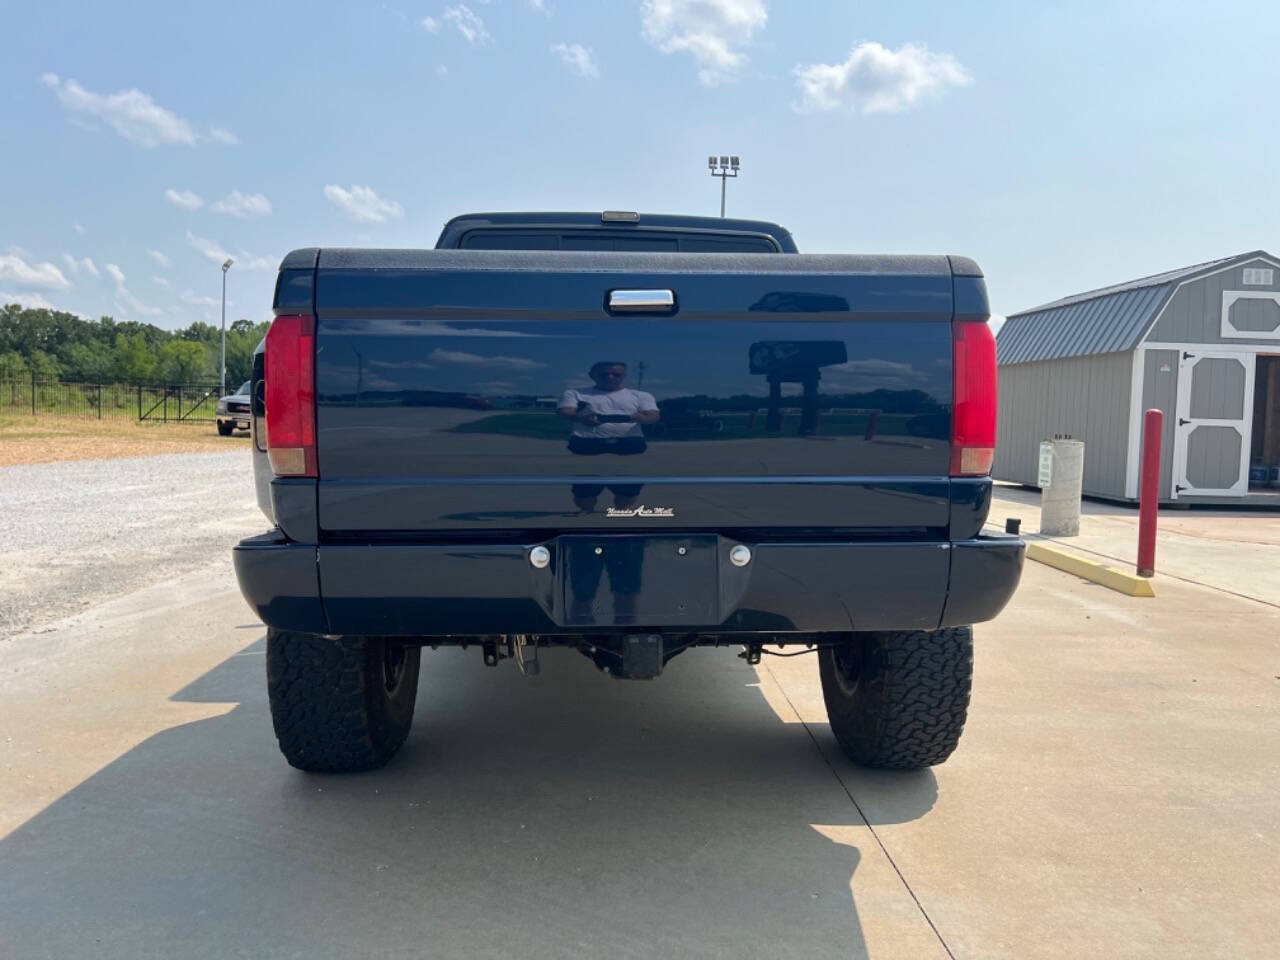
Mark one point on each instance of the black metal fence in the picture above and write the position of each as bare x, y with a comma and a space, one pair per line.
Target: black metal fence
162, 402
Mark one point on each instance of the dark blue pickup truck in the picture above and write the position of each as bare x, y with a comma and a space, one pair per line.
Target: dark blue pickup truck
629, 452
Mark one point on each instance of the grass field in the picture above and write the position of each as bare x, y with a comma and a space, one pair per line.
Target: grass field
48, 437
109, 401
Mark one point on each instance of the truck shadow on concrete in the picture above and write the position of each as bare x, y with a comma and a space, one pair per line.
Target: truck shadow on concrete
564, 815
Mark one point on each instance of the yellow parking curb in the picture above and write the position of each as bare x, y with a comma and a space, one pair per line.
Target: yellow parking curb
1116, 579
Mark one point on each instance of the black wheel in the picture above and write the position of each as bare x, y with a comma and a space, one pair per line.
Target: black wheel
898, 700
224, 429
340, 704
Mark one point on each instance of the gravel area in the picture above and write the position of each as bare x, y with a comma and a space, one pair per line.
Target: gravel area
75, 533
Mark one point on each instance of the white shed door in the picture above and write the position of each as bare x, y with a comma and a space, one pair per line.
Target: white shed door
1215, 413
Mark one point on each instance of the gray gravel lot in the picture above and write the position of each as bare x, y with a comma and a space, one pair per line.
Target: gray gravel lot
78, 532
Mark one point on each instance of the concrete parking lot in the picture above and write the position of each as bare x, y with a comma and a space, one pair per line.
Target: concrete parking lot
1232, 549
1114, 795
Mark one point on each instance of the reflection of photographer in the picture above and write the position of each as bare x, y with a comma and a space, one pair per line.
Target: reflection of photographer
607, 418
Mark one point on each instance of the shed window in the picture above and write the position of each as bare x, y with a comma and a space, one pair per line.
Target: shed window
1259, 276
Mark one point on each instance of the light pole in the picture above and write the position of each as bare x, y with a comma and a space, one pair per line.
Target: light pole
726, 168
225, 267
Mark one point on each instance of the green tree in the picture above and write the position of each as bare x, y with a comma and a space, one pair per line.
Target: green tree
86, 363
13, 366
126, 350
42, 365
131, 359
183, 361
243, 338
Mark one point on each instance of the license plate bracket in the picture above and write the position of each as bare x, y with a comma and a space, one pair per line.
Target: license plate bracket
649, 580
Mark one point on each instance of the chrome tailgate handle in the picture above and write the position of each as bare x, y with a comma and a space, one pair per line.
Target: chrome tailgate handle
642, 301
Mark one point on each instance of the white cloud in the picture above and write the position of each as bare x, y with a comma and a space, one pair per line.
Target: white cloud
468, 24
441, 70
211, 249
711, 31
476, 360
577, 57
130, 113
84, 263
193, 298
431, 24
540, 6
245, 205
217, 253
875, 79
44, 275
79, 228
186, 199
32, 301
126, 302
361, 203
160, 281
160, 258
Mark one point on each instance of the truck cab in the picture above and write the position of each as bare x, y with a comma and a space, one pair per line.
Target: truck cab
614, 230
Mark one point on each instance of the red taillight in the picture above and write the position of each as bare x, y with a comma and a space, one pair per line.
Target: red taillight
973, 415
290, 371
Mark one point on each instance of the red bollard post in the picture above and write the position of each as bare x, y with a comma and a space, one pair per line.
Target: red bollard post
1149, 492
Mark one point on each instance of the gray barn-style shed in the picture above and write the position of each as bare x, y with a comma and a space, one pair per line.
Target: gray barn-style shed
1201, 343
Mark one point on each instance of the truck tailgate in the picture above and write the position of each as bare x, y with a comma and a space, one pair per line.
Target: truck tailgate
465, 394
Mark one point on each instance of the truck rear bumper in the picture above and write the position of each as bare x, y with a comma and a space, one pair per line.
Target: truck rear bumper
664, 583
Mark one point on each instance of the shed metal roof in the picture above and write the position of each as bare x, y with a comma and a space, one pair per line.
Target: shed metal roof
1106, 320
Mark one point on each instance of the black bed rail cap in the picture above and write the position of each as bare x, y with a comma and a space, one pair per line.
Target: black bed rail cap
342, 258
303, 258
964, 267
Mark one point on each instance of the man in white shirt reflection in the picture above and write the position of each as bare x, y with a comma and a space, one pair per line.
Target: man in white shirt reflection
607, 418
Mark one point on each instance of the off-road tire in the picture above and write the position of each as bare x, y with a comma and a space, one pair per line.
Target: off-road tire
897, 701
225, 429
340, 704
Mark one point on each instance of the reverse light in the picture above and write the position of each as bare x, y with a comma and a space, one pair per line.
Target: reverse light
973, 414
290, 372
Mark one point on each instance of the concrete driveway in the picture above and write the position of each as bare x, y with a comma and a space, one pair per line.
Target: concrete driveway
1114, 796
1236, 550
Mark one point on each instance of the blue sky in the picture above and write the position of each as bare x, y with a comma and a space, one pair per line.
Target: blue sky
1063, 146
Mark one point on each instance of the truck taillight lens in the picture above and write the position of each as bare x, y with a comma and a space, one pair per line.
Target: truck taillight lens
973, 414
290, 369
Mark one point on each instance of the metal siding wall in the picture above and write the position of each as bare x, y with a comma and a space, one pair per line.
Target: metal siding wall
1160, 389
1194, 315
1086, 397
1106, 422
1021, 394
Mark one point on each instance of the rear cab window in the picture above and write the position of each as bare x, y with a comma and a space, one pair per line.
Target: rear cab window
645, 241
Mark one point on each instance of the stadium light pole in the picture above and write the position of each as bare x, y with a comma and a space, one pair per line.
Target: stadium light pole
725, 168
225, 267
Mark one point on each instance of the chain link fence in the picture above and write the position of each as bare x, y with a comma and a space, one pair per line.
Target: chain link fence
161, 402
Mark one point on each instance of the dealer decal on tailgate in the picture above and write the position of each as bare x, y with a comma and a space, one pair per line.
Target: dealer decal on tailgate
640, 511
